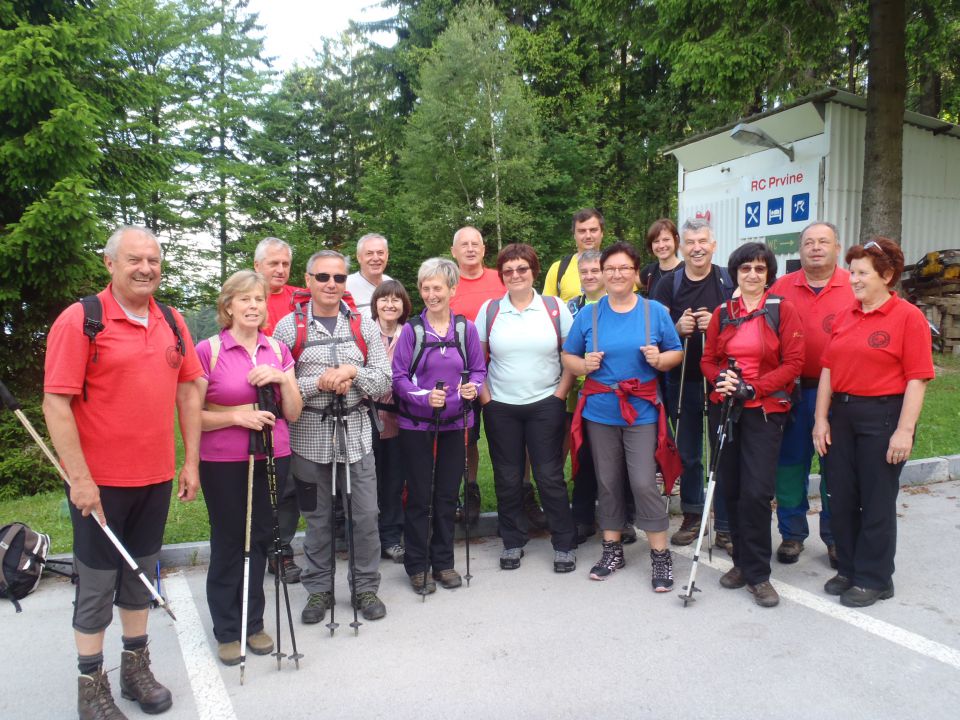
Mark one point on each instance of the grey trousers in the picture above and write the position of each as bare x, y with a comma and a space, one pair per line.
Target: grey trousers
314, 496
625, 454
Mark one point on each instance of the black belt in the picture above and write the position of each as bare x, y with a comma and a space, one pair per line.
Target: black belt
848, 398
809, 383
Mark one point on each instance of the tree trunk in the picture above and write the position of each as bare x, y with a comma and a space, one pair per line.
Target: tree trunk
882, 205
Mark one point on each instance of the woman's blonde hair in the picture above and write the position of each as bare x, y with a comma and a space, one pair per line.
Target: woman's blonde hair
240, 282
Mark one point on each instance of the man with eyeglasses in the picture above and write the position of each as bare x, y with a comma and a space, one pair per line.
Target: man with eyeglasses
691, 295
335, 374
820, 289
372, 256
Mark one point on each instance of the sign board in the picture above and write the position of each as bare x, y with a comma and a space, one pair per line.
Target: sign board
781, 202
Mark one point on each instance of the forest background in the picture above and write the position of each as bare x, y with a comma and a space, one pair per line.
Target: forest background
505, 115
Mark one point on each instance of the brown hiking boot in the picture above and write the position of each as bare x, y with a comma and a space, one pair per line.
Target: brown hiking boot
724, 541
733, 579
448, 578
764, 594
422, 584
789, 551
689, 529
94, 700
137, 682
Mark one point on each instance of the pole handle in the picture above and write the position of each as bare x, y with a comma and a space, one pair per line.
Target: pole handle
9, 401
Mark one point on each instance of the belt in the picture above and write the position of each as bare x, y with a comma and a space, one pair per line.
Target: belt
809, 383
848, 398
213, 407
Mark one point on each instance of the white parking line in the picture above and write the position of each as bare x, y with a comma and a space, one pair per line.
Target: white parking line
832, 608
209, 692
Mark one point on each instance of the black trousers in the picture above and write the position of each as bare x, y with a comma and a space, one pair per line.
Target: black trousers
747, 479
417, 448
863, 489
391, 477
224, 487
536, 428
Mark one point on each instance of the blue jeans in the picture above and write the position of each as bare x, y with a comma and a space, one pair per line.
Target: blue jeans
793, 474
690, 445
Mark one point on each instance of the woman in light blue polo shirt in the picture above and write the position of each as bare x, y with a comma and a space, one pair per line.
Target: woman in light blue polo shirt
524, 403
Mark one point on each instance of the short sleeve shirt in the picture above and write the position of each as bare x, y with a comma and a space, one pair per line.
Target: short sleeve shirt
362, 291
279, 305
472, 293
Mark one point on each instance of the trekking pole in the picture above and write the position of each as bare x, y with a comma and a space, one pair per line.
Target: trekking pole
333, 624
433, 484
683, 378
265, 400
245, 602
348, 495
13, 405
464, 379
726, 417
710, 447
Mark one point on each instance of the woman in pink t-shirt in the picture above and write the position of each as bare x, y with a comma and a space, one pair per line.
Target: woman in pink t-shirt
236, 362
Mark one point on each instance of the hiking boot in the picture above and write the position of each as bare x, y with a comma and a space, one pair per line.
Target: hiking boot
764, 594
689, 529
94, 700
260, 643
837, 585
369, 605
628, 536
832, 556
229, 652
138, 683
733, 579
724, 541
789, 551
532, 509
610, 561
865, 597
584, 532
291, 571
510, 558
448, 578
473, 506
662, 577
316, 607
416, 581
393, 552
564, 561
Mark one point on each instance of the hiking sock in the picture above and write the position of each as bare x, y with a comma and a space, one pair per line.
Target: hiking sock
134, 643
89, 664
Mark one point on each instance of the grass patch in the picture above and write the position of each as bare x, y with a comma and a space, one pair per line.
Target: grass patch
187, 522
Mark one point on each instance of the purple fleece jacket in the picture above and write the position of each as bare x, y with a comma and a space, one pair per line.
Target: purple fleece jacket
436, 364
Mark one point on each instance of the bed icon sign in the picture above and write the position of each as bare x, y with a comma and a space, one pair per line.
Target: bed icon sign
775, 211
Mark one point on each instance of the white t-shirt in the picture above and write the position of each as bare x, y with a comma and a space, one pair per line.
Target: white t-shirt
362, 291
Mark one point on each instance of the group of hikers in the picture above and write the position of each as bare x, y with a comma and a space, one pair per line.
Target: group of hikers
336, 404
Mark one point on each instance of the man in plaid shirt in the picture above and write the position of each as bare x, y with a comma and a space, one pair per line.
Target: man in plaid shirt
332, 370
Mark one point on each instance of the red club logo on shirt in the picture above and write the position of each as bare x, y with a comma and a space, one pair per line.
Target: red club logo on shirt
879, 339
827, 323
173, 357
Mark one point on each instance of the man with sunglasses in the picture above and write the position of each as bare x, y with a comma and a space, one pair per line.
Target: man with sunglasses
335, 374
820, 289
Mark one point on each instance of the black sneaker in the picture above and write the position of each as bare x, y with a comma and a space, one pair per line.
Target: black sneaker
662, 577
837, 585
316, 607
510, 558
610, 561
370, 606
564, 561
865, 597
291, 571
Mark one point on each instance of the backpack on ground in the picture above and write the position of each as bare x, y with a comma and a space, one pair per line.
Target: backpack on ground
552, 305
300, 300
23, 553
420, 343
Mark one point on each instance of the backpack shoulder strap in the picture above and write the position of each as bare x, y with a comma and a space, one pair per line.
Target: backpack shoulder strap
356, 329
300, 320
416, 322
561, 271
275, 346
646, 320
595, 311
772, 306
460, 331
677, 279
552, 306
493, 309
724, 281
171, 321
92, 326
215, 345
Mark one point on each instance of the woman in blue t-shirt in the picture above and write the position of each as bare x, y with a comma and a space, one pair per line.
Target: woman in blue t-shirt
621, 344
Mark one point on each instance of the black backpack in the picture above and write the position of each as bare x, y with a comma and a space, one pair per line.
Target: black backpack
23, 553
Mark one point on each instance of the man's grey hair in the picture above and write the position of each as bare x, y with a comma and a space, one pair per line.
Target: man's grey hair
370, 236
456, 235
696, 225
270, 242
588, 256
113, 242
445, 269
327, 254
833, 229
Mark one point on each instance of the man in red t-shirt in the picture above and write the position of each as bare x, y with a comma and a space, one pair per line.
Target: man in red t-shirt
272, 259
109, 407
820, 289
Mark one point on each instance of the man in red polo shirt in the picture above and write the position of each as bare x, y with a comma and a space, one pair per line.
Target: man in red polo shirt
109, 406
272, 259
820, 289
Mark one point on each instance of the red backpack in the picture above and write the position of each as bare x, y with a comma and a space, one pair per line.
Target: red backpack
348, 307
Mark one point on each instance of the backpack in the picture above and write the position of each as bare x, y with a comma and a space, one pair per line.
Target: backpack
561, 271
300, 300
420, 343
770, 311
23, 553
552, 305
216, 344
722, 276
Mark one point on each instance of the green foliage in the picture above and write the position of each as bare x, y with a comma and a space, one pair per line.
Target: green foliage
24, 469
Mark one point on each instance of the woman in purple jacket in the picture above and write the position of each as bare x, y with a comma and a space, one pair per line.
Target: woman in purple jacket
432, 349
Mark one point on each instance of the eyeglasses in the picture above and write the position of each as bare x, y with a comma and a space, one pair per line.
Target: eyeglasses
510, 272
747, 269
338, 278
621, 270
873, 244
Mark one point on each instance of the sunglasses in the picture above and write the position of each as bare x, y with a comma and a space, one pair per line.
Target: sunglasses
747, 269
876, 245
338, 278
522, 270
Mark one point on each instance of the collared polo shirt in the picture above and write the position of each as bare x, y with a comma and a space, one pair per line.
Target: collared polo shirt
279, 305
524, 360
474, 292
126, 422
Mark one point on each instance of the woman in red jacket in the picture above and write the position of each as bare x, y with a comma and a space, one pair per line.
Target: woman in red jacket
764, 336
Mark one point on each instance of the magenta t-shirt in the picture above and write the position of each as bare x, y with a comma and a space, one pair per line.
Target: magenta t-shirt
228, 385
